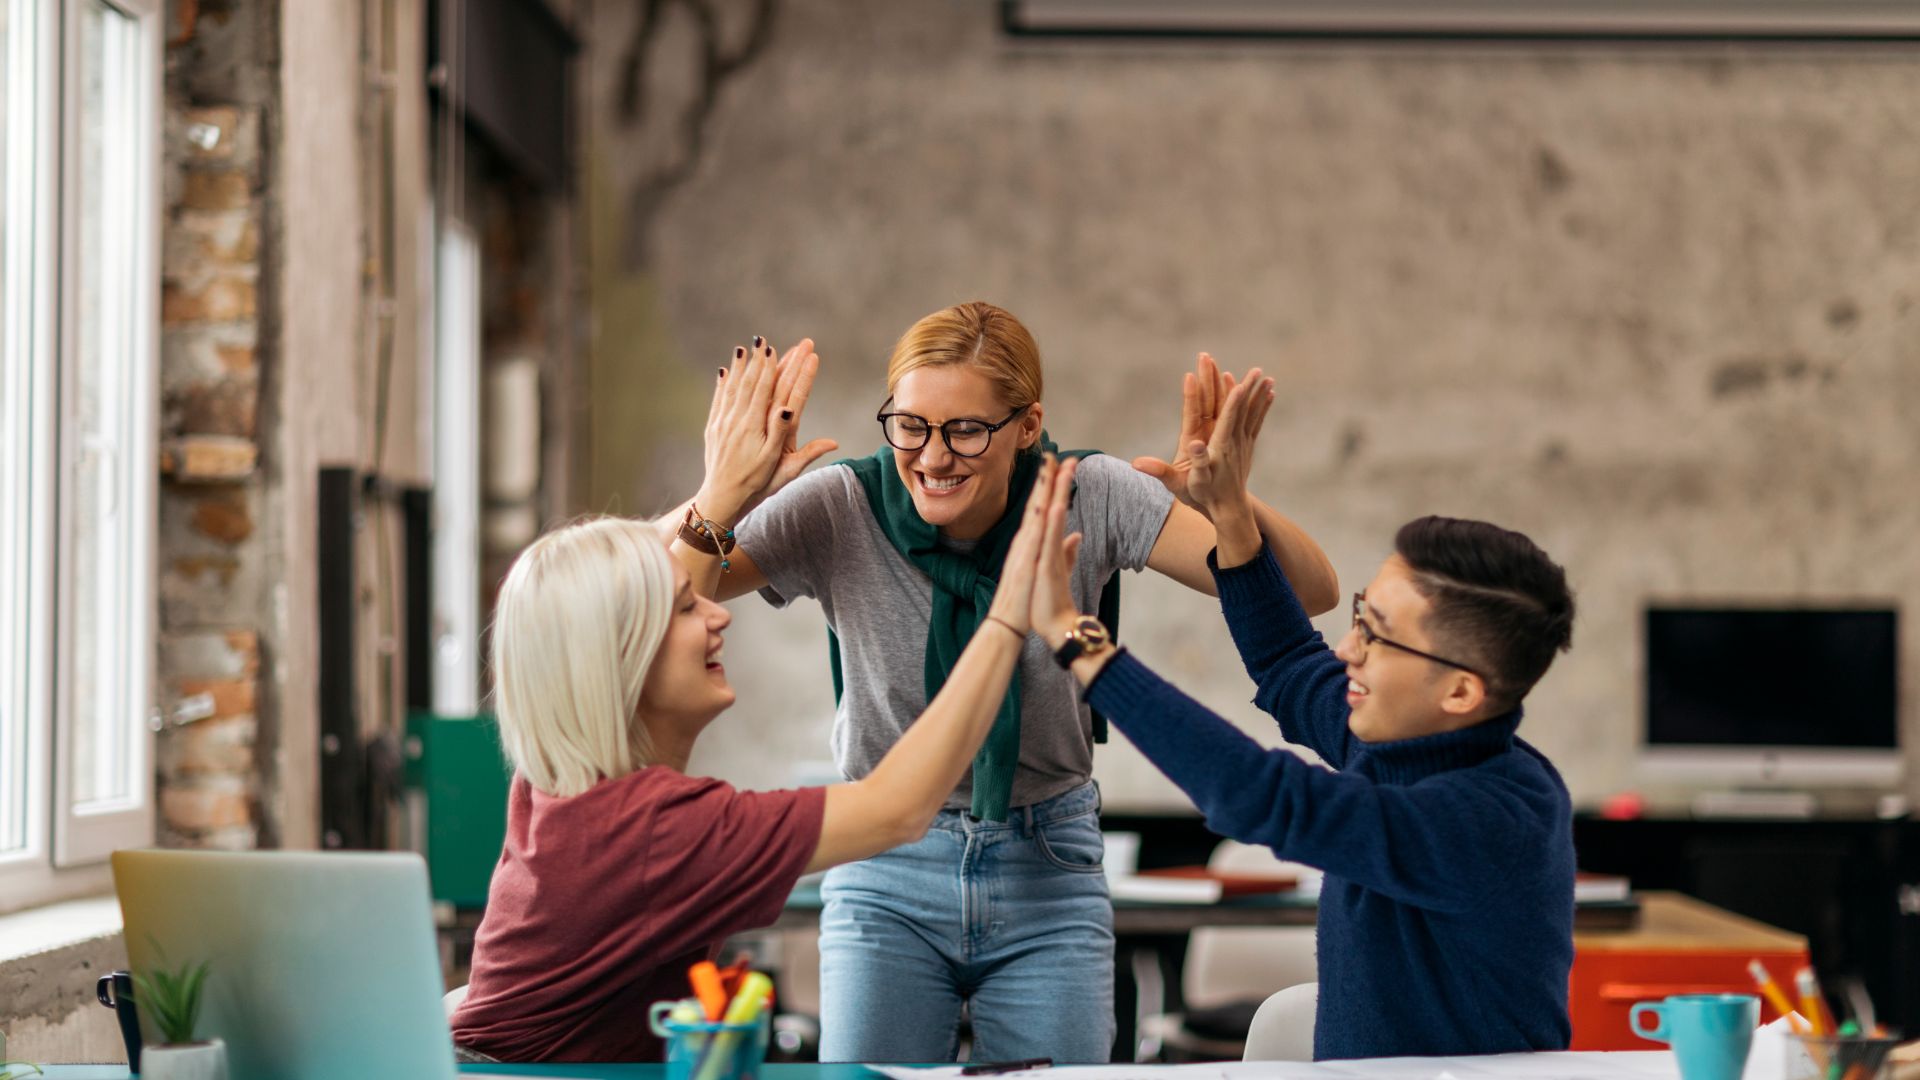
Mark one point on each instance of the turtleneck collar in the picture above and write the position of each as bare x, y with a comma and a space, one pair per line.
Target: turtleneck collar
1406, 761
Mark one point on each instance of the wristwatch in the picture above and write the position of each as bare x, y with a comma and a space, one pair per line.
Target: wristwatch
1087, 637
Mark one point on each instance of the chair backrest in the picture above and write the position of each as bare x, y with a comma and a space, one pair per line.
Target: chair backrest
1282, 1029
1248, 963
452, 1000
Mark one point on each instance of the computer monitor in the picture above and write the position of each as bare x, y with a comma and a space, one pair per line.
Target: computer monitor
1772, 697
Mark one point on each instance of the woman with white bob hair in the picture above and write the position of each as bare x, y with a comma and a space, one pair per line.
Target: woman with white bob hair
619, 870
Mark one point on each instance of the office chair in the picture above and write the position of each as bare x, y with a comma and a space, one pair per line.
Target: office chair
1282, 1029
1231, 971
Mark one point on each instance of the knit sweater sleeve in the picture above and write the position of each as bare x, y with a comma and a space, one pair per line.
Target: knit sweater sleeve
1300, 682
1427, 844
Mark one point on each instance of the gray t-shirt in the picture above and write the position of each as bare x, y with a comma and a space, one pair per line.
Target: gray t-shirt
818, 538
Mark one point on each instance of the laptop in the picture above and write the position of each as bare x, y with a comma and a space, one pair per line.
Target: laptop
319, 964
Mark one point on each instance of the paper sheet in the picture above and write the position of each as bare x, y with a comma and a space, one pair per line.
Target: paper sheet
1634, 1065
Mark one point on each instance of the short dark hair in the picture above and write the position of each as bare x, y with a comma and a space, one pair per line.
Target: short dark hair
1499, 603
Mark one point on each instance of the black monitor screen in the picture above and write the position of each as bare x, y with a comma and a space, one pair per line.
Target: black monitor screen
1752, 677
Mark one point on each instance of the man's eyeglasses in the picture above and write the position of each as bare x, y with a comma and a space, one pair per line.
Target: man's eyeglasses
966, 438
1369, 638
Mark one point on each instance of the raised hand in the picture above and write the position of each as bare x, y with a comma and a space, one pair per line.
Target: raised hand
798, 368
1203, 394
1023, 575
1217, 468
751, 428
1054, 608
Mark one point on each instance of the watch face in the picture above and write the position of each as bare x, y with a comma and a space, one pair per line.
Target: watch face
1091, 632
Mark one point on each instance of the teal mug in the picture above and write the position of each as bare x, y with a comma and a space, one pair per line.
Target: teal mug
1710, 1033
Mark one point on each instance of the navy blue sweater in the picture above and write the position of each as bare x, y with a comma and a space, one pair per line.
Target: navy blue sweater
1446, 916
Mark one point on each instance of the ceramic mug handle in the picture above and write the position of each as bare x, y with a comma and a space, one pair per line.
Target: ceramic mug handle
657, 1016
1655, 1009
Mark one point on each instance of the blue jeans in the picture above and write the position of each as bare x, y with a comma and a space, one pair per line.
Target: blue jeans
1010, 917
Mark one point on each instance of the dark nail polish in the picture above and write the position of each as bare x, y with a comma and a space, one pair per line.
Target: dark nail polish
722, 371
758, 341
786, 414
739, 353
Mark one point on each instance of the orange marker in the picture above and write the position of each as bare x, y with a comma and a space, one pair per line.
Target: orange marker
1810, 1005
706, 986
1774, 995
731, 975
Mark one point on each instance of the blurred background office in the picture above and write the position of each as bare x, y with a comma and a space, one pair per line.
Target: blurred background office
315, 313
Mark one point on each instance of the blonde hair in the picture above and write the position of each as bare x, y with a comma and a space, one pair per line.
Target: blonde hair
979, 335
575, 629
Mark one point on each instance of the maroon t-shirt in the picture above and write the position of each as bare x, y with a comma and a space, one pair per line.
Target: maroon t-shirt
602, 901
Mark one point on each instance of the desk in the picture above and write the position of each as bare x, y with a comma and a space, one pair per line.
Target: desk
1851, 885
1158, 934
1569, 1066
1682, 946
1132, 916
1140, 917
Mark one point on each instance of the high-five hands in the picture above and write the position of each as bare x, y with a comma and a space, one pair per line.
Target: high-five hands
1030, 580
1217, 468
752, 427
1202, 393
1220, 416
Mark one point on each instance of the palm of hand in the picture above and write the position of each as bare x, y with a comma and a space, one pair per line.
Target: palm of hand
1179, 478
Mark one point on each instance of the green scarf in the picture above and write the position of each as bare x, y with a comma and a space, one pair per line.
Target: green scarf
963, 587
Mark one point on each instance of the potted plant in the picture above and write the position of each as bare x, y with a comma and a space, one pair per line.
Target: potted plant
171, 1000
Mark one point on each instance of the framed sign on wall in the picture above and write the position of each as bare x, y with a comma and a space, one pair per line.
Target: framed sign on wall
1780, 20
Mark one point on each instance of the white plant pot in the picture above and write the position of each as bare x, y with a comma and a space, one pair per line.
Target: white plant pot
189, 1061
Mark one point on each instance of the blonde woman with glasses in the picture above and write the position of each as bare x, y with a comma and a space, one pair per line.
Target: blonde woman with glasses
619, 870
1002, 908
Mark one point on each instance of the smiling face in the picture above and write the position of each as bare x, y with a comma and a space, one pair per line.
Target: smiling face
1393, 693
686, 687
962, 496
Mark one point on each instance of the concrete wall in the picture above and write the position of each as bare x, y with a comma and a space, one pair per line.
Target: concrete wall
51, 1013
273, 370
218, 338
1653, 306
268, 373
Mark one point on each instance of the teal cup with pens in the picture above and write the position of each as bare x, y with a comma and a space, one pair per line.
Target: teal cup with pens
1839, 1057
1710, 1033
711, 1050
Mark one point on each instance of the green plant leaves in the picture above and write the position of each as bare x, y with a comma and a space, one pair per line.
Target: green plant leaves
171, 997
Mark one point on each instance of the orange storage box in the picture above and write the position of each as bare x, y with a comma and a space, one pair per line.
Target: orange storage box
1680, 946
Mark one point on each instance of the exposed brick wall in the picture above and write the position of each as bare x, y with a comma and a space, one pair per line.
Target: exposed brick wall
211, 558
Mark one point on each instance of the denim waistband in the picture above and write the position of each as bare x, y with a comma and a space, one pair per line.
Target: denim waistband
1081, 800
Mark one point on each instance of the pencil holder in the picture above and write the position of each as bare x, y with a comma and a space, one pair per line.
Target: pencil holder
711, 1051
1838, 1057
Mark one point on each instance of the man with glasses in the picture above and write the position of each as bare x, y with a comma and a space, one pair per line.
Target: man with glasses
1446, 915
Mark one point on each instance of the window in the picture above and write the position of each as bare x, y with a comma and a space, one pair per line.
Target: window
79, 280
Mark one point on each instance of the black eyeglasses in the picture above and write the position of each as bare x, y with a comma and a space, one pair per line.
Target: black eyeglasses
966, 438
1370, 638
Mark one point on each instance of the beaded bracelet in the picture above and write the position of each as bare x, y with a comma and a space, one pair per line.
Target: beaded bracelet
705, 535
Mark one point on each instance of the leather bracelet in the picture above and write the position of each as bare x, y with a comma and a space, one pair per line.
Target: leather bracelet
1008, 625
707, 536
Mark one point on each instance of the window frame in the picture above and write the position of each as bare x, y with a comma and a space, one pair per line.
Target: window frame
64, 843
85, 835
32, 173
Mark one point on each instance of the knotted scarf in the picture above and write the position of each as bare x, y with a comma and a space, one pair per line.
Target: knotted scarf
963, 587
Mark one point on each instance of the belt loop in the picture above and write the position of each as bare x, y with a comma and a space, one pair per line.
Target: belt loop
1028, 810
